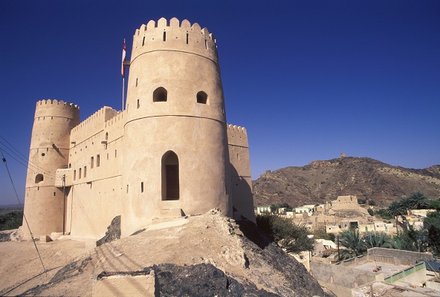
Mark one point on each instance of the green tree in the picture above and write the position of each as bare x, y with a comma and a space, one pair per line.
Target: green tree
411, 240
415, 201
376, 239
353, 243
322, 234
285, 233
432, 224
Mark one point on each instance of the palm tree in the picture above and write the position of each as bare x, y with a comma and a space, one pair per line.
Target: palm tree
353, 243
376, 239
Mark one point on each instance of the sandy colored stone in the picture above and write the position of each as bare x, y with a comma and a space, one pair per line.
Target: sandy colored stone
86, 173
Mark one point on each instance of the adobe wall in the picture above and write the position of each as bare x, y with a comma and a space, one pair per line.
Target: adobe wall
349, 202
49, 150
95, 174
340, 279
240, 172
165, 57
397, 257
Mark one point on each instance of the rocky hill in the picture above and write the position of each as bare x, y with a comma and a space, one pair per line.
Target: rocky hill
322, 181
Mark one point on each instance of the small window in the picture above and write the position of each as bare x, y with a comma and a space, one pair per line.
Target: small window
54, 194
187, 38
70, 165
98, 160
138, 104
136, 82
85, 171
160, 95
143, 41
92, 161
142, 187
164, 36
39, 178
106, 136
202, 97
127, 188
79, 173
74, 174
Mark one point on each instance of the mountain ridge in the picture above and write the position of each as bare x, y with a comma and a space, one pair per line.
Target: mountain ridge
324, 180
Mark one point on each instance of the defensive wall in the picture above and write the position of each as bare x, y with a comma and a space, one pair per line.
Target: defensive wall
240, 171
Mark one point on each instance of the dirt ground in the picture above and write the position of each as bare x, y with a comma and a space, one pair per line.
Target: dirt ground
72, 266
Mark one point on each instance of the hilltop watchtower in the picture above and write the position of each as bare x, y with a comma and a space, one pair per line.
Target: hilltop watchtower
175, 108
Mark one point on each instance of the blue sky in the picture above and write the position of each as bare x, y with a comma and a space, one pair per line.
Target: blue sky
309, 79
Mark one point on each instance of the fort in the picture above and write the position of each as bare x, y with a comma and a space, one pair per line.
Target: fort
168, 153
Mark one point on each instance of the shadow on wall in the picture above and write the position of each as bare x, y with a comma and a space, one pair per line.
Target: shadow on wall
242, 199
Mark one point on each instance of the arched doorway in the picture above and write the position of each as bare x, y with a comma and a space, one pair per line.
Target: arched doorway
170, 176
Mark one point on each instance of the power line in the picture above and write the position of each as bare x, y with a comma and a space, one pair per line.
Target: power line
10, 149
24, 216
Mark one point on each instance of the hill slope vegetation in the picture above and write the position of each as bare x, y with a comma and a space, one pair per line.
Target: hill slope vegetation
322, 181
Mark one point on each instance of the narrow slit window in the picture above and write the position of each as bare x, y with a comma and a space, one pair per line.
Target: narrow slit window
79, 173
116, 153
92, 160
142, 187
206, 44
98, 160
187, 38
85, 171
74, 174
138, 104
143, 41
164, 36
136, 82
202, 97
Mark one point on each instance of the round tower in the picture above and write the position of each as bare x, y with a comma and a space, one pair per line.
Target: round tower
176, 156
49, 151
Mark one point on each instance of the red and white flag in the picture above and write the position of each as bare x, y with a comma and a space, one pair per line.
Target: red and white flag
124, 53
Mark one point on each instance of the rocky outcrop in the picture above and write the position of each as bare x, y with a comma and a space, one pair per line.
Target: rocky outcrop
203, 255
203, 280
113, 231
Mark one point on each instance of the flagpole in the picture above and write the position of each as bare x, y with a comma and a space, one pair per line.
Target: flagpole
124, 52
123, 91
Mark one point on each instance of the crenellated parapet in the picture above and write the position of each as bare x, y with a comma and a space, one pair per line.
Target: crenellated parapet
174, 35
237, 136
56, 108
92, 125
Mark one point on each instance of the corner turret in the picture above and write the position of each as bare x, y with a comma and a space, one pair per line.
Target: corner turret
49, 151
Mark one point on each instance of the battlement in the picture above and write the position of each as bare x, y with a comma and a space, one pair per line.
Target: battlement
92, 125
117, 119
237, 135
58, 102
57, 108
174, 35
